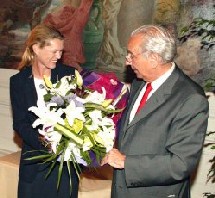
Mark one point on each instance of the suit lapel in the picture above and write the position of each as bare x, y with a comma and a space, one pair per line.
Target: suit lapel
135, 90
30, 88
156, 100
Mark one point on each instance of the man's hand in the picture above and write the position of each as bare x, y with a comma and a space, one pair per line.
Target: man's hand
114, 158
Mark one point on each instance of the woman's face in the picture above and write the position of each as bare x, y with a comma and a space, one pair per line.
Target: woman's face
47, 56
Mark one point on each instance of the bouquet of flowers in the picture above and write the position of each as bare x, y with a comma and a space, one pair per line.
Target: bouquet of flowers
77, 121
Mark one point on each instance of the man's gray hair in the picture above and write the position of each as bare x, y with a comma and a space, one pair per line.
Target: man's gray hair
157, 39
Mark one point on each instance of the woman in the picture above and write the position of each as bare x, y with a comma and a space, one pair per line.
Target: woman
44, 47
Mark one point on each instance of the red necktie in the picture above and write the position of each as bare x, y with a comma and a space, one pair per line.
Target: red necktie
145, 96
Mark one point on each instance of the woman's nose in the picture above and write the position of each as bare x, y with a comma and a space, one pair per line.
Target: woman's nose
58, 55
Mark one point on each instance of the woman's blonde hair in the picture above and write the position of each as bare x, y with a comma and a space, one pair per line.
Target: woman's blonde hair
40, 34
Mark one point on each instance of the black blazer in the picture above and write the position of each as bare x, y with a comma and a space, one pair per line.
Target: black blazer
23, 95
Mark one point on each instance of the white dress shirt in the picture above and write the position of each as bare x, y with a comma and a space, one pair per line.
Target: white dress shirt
155, 85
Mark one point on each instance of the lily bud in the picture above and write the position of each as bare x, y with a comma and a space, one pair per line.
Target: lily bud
48, 82
79, 80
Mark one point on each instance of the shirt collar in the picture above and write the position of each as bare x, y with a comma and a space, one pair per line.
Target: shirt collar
158, 82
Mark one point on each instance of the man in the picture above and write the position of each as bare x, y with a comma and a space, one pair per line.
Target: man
160, 144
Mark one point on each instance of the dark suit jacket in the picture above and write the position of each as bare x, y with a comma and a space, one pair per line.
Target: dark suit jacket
23, 95
163, 143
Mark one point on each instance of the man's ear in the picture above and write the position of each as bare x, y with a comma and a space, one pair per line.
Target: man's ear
154, 59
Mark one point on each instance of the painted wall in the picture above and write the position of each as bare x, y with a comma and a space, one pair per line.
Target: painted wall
120, 17
18, 16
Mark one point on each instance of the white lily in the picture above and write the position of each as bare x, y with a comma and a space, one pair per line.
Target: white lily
64, 87
92, 127
107, 141
54, 140
72, 149
96, 97
46, 116
72, 112
67, 155
107, 122
52, 136
96, 116
109, 130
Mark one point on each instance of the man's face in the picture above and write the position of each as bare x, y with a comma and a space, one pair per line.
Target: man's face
139, 62
48, 55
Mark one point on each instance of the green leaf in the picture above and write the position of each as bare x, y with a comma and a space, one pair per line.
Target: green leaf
47, 97
38, 157
41, 151
69, 133
50, 169
58, 84
60, 170
51, 158
76, 166
89, 135
70, 179
101, 108
86, 156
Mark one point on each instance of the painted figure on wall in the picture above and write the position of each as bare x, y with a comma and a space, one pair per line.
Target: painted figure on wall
111, 51
70, 21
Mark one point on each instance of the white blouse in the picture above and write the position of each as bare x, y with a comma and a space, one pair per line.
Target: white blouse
40, 88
